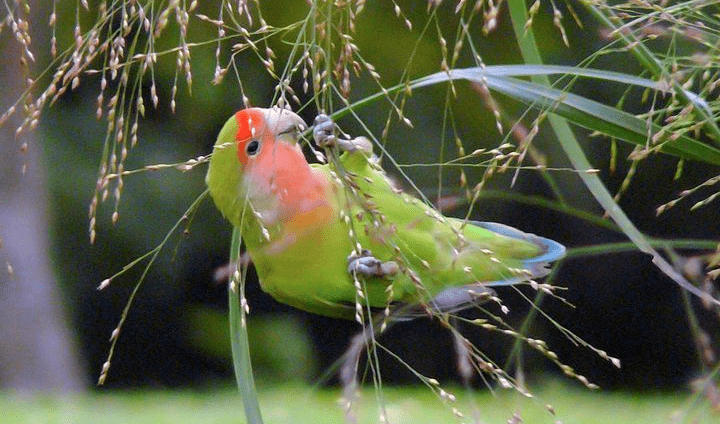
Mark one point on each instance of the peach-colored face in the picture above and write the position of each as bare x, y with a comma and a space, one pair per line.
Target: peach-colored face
276, 177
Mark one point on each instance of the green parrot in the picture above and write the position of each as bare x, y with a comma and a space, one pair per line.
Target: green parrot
331, 238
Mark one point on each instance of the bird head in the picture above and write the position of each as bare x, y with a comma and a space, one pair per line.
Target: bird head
253, 145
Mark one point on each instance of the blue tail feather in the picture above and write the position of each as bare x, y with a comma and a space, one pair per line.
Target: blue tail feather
552, 249
456, 297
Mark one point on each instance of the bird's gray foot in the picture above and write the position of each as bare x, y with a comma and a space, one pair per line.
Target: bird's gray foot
324, 136
324, 131
367, 265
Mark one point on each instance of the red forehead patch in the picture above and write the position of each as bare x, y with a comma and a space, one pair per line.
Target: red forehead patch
250, 123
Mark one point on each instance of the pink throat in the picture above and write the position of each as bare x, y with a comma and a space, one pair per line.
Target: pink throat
282, 176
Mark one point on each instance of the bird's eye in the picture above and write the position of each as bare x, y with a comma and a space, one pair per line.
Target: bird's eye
252, 148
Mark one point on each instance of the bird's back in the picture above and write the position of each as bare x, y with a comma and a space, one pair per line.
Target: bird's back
435, 253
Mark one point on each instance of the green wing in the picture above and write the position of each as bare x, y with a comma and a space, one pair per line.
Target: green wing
438, 255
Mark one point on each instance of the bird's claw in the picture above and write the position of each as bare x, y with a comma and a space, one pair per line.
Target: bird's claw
324, 131
324, 136
367, 265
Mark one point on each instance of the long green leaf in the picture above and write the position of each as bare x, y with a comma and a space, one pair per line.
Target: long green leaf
239, 341
607, 120
600, 74
582, 111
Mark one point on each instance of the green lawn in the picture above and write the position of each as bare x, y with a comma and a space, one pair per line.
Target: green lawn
299, 404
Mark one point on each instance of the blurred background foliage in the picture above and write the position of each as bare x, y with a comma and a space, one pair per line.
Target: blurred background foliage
176, 331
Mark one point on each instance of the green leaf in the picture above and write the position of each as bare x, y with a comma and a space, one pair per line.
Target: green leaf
579, 110
239, 340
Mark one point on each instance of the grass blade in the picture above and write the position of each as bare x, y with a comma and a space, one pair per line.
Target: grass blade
239, 339
582, 111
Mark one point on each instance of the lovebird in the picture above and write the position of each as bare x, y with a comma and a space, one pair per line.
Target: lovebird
331, 238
